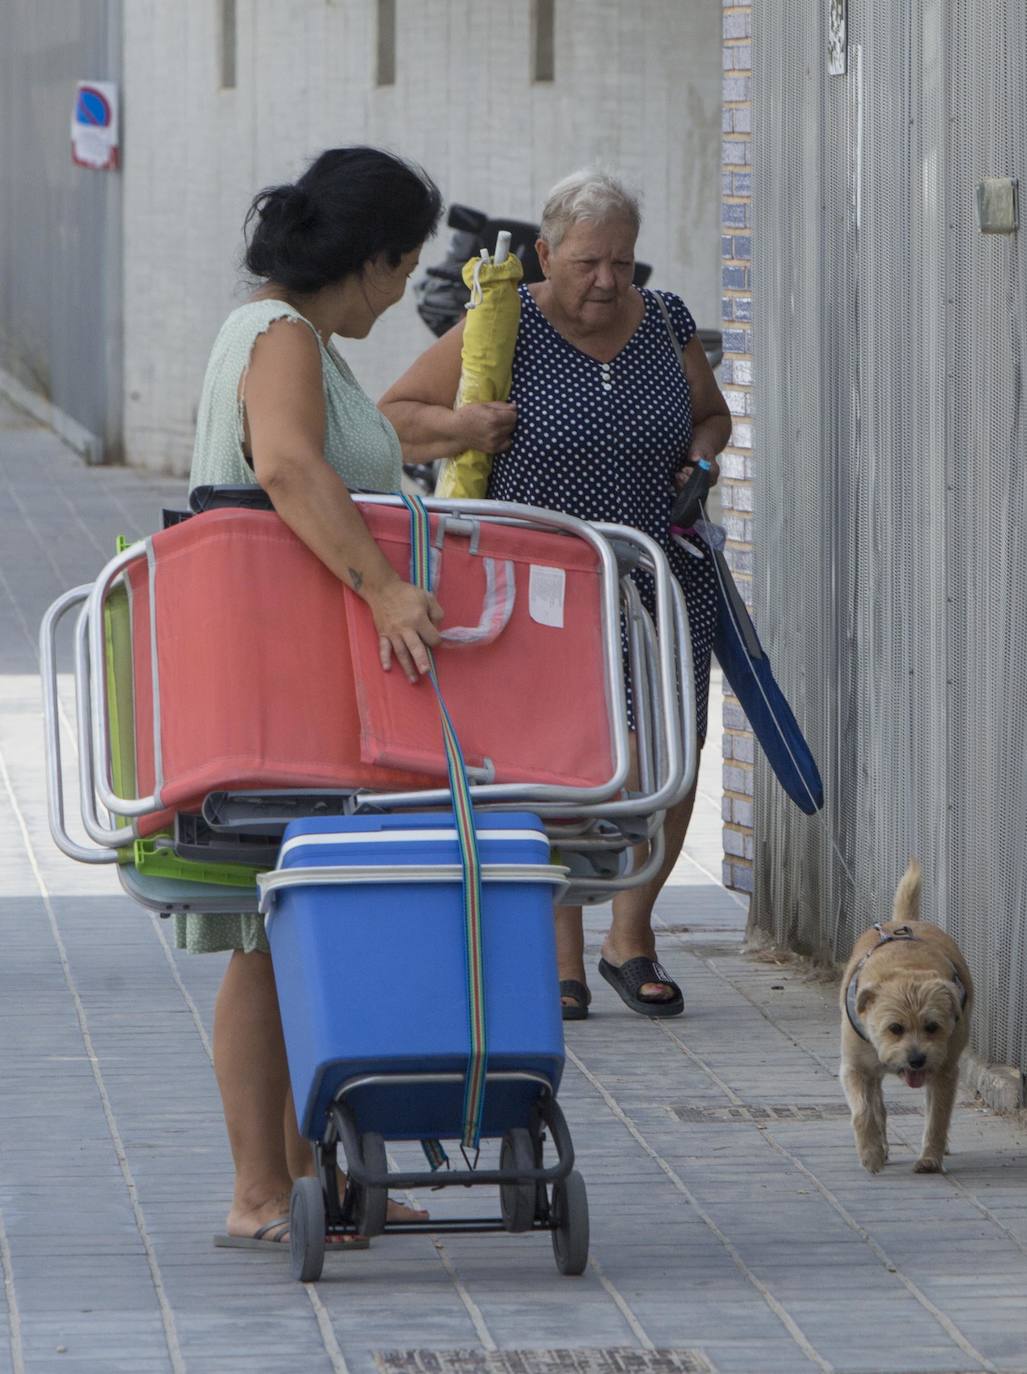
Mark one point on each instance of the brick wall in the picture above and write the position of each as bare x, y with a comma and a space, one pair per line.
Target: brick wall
736, 382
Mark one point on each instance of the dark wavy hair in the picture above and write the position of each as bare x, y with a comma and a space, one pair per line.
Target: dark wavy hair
349, 206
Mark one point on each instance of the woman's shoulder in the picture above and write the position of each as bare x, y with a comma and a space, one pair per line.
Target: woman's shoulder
680, 315
255, 316
674, 303
232, 348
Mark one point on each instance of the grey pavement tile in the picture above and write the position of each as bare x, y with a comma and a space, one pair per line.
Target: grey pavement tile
78, 1327
757, 1357
109, 1358
121, 1359
273, 1361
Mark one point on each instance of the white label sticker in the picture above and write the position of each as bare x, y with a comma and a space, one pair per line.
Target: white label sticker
545, 595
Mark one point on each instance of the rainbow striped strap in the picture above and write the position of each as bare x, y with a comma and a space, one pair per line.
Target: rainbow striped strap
463, 812
434, 1154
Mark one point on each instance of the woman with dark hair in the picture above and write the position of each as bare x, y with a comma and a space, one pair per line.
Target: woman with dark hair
281, 408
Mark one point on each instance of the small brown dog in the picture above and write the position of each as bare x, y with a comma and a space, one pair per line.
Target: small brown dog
906, 1000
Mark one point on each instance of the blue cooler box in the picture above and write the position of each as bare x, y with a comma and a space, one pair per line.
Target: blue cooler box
369, 957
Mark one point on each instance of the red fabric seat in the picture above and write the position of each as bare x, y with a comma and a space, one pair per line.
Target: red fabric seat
268, 673
533, 699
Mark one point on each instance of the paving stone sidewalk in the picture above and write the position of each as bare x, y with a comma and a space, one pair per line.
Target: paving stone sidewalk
732, 1228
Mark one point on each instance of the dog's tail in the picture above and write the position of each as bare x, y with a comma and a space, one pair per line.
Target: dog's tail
907, 894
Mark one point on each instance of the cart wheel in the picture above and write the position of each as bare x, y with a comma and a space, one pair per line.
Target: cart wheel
570, 1224
307, 1230
517, 1200
372, 1203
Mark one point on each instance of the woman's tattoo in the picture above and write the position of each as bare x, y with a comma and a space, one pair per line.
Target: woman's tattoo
356, 577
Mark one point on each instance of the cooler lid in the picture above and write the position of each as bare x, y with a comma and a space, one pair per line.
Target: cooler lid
513, 836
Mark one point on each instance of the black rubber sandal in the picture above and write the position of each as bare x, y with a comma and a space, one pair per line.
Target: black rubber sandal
634, 974
578, 1010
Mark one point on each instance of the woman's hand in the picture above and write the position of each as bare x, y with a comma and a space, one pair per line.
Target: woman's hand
405, 617
680, 478
487, 426
420, 407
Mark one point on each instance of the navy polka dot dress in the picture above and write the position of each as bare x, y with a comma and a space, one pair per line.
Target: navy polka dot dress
603, 441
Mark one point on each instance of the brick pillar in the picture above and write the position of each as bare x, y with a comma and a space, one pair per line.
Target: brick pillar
736, 383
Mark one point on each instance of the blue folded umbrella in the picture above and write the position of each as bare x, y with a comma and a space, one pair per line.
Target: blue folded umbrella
747, 669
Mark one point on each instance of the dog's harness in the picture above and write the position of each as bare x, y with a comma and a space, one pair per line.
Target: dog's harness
885, 937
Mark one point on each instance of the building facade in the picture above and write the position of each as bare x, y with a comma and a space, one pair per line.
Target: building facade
116, 283
890, 566
223, 97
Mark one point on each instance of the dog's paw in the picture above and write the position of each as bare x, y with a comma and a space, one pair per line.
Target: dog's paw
872, 1157
926, 1164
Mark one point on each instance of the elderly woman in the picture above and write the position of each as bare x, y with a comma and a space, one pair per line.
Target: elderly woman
603, 422
281, 409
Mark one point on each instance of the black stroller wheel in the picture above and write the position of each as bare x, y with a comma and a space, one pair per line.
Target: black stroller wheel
517, 1200
372, 1202
570, 1224
307, 1230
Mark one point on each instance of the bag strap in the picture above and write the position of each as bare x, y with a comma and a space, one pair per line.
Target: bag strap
463, 813
675, 341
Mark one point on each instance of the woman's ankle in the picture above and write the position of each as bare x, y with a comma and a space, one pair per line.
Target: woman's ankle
619, 951
270, 1196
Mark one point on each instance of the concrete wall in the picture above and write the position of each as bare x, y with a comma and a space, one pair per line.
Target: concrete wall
636, 84
890, 551
60, 281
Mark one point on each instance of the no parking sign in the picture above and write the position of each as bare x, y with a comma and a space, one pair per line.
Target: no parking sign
94, 125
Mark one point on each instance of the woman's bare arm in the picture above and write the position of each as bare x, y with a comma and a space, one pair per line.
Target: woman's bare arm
420, 408
711, 419
285, 423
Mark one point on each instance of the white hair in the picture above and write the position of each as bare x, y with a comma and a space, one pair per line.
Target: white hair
588, 195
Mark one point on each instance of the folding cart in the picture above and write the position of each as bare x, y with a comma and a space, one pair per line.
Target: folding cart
318, 796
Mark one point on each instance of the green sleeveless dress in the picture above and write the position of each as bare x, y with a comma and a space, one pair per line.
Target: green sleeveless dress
360, 445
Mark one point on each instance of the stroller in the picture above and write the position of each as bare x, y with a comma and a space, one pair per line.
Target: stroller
320, 796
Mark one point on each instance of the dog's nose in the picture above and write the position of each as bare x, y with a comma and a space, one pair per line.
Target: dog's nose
918, 1060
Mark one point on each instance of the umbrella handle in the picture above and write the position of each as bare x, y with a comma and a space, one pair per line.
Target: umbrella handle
502, 247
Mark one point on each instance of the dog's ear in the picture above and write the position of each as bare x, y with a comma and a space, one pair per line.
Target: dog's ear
947, 990
957, 999
865, 998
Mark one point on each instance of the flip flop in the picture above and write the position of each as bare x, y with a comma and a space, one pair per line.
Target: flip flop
262, 1239
634, 974
570, 987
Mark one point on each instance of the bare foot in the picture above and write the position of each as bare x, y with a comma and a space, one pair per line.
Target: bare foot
399, 1211
576, 974
396, 1211
276, 1209
242, 1222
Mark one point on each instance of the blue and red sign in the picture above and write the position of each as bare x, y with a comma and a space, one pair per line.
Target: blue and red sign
94, 125
92, 107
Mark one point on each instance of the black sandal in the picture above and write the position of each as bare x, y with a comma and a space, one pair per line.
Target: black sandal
578, 1010
634, 974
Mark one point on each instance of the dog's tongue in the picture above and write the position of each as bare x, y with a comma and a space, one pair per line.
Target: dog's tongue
915, 1078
